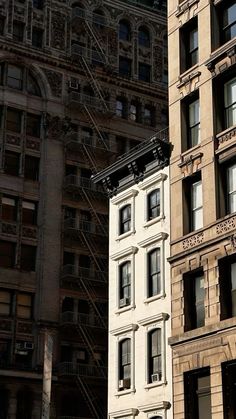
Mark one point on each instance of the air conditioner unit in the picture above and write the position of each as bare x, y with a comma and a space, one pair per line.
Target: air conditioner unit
28, 346
156, 377
124, 384
73, 84
124, 302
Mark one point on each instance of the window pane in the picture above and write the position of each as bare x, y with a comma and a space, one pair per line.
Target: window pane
197, 194
29, 213
199, 301
8, 209
5, 303
7, 254
33, 125
194, 112
204, 397
13, 120
197, 219
28, 256
12, 163
231, 183
31, 168
14, 77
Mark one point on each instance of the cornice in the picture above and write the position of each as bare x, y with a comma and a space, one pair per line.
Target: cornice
150, 240
124, 329
128, 251
154, 319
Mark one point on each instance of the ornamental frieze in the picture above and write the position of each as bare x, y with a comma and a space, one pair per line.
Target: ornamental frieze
225, 226
193, 241
58, 30
55, 82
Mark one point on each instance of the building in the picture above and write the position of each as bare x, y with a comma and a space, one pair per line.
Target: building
201, 36
80, 82
139, 358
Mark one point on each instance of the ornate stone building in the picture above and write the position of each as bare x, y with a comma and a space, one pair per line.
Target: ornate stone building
202, 89
80, 83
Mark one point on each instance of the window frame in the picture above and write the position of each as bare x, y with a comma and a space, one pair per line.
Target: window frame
192, 393
186, 52
148, 186
190, 302
125, 283
125, 223
144, 76
153, 273
126, 35
227, 311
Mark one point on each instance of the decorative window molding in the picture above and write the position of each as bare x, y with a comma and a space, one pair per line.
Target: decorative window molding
123, 333
150, 185
150, 244
124, 414
127, 198
152, 323
155, 409
126, 255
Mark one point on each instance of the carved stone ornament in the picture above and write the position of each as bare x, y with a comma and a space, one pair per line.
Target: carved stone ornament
55, 81
193, 241
58, 31
226, 225
58, 128
233, 241
226, 136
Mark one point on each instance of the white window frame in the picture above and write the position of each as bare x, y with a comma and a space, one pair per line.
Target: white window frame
230, 192
126, 255
127, 198
125, 332
151, 243
229, 104
194, 210
150, 324
150, 185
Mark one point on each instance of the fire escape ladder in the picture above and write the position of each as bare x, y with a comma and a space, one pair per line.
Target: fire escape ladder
91, 248
88, 340
94, 83
98, 40
90, 158
93, 211
95, 126
92, 296
94, 405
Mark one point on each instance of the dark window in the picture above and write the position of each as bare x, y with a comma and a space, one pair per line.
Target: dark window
32, 86
24, 403
154, 357
15, 77
229, 389
38, 4
125, 66
7, 254
227, 282
144, 37
9, 208
154, 273
12, 163
194, 295
124, 364
125, 284
125, 219
28, 257
2, 26
13, 120
5, 350
5, 304
18, 31
24, 306
192, 204
31, 168
189, 45
197, 392
149, 116
29, 213
144, 72
124, 31
33, 125
231, 188
193, 123
68, 258
154, 204
37, 38
4, 396
133, 112
228, 16
121, 107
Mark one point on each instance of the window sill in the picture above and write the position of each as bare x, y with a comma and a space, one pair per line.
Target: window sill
187, 74
153, 221
153, 385
124, 309
124, 235
154, 298
125, 392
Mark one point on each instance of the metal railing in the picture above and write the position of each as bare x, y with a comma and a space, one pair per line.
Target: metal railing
84, 273
82, 182
86, 227
103, 106
93, 142
70, 317
82, 370
78, 12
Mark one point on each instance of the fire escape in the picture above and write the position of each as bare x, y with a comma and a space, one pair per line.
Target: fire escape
92, 234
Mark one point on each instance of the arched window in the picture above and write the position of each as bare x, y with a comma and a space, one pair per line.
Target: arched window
125, 219
32, 86
99, 19
125, 284
144, 37
124, 364
154, 273
153, 204
154, 356
124, 31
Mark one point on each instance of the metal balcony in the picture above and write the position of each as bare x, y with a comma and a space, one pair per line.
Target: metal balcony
78, 100
81, 370
79, 14
74, 182
72, 318
73, 272
72, 226
74, 141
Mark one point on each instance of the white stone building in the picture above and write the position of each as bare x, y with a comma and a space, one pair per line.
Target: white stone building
140, 372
